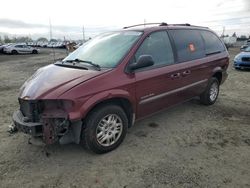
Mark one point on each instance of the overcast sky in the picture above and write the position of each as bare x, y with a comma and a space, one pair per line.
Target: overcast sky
29, 17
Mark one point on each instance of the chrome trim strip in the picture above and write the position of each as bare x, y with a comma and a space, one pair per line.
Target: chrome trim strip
171, 92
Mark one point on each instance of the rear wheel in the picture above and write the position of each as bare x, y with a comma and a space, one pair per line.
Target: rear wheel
106, 128
34, 52
14, 52
210, 95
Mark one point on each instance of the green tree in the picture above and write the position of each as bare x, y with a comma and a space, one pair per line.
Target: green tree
43, 39
53, 40
23, 39
6, 39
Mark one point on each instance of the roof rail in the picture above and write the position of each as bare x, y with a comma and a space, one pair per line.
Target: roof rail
160, 24
185, 24
163, 24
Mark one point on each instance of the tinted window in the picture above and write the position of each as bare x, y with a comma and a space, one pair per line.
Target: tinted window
212, 42
159, 47
188, 43
18, 46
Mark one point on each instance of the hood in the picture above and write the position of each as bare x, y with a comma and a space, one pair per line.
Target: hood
246, 54
240, 55
51, 81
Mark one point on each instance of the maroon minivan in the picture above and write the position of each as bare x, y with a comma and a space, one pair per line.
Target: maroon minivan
97, 92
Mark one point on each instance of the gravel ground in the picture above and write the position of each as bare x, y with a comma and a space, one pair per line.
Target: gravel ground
189, 145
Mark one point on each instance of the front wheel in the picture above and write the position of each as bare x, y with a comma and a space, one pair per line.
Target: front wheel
105, 129
210, 95
14, 52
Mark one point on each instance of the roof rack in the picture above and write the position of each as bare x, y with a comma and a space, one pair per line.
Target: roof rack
163, 24
185, 24
160, 24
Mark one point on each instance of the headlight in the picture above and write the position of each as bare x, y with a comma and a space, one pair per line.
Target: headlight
237, 58
66, 105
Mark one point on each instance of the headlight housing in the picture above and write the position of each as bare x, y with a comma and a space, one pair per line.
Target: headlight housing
65, 105
237, 58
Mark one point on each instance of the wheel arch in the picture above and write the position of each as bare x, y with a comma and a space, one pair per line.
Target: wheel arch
120, 98
217, 73
218, 76
119, 101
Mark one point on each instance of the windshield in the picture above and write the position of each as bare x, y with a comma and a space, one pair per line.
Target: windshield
106, 50
247, 49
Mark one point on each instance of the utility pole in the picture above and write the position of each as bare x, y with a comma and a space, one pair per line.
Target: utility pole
223, 32
50, 33
83, 34
50, 29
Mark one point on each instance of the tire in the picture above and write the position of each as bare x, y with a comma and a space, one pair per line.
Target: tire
34, 52
14, 52
210, 95
110, 135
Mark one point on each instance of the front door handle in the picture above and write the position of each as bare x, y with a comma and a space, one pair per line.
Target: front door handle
185, 73
175, 75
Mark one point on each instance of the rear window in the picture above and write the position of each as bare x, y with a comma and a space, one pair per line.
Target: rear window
212, 43
189, 44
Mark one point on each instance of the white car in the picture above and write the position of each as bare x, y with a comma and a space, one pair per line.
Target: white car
4, 46
20, 49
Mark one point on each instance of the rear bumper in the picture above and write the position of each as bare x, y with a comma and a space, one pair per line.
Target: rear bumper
34, 129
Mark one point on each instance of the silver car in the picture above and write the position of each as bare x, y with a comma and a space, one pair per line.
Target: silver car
20, 49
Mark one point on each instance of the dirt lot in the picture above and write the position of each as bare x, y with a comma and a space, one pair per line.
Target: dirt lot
189, 145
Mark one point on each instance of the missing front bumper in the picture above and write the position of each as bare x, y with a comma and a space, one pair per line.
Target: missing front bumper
49, 129
34, 129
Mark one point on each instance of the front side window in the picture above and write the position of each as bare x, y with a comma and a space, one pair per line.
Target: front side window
107, 49
188, 43
159, 47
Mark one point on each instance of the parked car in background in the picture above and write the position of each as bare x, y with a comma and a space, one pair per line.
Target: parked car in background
243, 47
97, 92
4, 46
77, 46
20, 49
229, 41
242, 60
247, 44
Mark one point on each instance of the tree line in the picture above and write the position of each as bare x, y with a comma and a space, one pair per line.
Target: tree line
7, 39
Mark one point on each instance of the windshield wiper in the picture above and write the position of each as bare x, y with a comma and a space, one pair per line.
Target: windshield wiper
83, 61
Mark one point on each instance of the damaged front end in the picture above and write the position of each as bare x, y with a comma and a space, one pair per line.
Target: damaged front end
47, 119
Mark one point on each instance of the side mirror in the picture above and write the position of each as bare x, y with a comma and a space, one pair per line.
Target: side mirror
143, 61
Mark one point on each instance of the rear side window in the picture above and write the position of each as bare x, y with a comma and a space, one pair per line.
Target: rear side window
159, 47
212, 43
188, 43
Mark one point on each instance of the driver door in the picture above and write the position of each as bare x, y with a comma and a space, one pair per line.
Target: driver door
157, 85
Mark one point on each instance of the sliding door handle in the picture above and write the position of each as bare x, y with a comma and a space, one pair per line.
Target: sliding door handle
175, 75
185, 73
